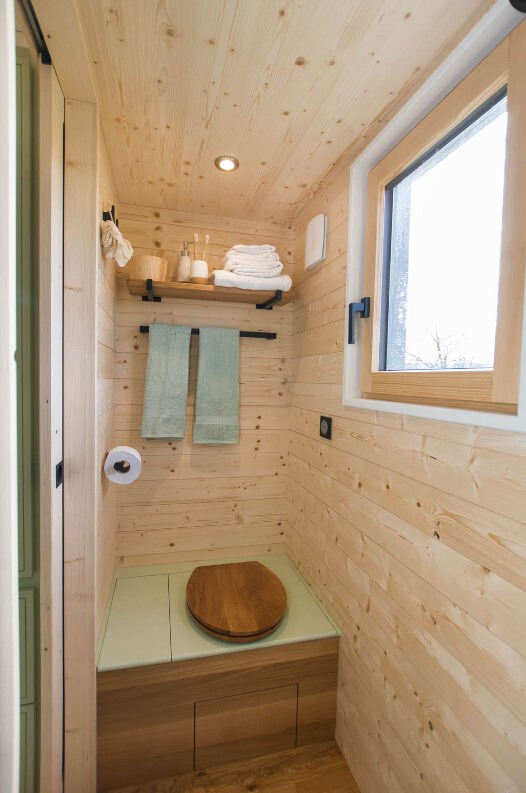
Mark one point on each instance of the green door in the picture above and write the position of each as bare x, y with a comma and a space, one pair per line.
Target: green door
27, 427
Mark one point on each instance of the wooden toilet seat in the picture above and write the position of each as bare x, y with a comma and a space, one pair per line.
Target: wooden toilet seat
238, 602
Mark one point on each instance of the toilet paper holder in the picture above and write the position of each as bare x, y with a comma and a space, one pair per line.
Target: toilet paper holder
123, 465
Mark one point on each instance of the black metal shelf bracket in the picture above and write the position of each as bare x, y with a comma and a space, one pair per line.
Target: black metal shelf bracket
362, 309
244, 334
267, 305
150, 297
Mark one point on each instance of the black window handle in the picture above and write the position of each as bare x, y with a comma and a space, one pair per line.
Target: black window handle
362, 309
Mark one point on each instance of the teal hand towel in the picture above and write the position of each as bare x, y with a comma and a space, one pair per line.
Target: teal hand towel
166, 388
217, 400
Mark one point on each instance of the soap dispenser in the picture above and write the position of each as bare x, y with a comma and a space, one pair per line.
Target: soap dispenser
183, 271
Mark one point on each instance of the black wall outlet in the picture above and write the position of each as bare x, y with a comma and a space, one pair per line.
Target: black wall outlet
326, 427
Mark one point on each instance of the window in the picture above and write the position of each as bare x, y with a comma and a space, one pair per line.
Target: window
446, 248
444, 221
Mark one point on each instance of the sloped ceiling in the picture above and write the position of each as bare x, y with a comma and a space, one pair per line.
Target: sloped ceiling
284, 85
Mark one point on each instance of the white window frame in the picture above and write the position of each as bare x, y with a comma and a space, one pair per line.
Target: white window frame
500, 20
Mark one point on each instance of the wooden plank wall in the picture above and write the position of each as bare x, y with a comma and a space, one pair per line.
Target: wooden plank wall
413, 534
199, 501
106, 348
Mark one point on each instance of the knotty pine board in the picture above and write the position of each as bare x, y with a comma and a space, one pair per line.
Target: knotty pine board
106, 347
412, 532
251, 417
191, 501
287, 89
203, 554
270, 511
81, 569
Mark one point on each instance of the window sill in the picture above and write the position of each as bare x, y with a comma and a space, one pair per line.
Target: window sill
502, 421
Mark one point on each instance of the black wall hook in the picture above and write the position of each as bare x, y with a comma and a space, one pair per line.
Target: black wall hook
149, 297
111, 216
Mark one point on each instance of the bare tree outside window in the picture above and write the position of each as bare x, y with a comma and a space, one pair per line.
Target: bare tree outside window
448, 354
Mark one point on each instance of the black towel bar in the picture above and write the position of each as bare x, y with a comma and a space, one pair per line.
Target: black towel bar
245, 334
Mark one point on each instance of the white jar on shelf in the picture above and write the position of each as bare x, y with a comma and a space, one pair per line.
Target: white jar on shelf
199, 272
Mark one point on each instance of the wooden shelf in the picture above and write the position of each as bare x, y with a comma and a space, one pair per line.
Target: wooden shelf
206, 292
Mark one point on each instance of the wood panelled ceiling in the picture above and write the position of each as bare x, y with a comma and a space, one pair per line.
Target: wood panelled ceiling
284, 85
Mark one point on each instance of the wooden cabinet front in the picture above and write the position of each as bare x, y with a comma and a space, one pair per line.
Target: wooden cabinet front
244, 726
163, 720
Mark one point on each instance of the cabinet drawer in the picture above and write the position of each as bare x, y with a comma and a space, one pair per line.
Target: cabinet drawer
26, 617
245, 725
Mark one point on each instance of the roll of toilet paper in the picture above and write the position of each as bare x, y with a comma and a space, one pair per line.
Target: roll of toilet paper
123, 465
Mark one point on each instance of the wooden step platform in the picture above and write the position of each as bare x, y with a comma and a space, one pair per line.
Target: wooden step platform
311, 769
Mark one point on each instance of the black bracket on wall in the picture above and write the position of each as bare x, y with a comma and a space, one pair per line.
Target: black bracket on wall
111, 216
362, 309
150, 297
267, 305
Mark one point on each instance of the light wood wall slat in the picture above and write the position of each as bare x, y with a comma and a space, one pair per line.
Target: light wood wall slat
250, 440
106, 346
190, 516
201, 554
164, 541
51, 203
80, 498
251, 417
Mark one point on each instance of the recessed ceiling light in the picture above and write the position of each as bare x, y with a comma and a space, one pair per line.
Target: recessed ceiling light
227, 163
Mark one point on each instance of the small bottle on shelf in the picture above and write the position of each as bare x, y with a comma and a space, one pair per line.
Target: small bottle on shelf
185, 264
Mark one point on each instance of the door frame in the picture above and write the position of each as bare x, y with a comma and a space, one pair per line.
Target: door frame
51, 284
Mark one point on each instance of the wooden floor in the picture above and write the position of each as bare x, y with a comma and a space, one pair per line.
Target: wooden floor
312, 769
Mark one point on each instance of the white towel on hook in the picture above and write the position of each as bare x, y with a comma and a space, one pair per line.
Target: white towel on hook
226, 278
114, 246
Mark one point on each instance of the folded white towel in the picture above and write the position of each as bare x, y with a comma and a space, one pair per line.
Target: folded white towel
263, 265
269, 270
250, 272
114, 245
254, 249
226, 278
244, 258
